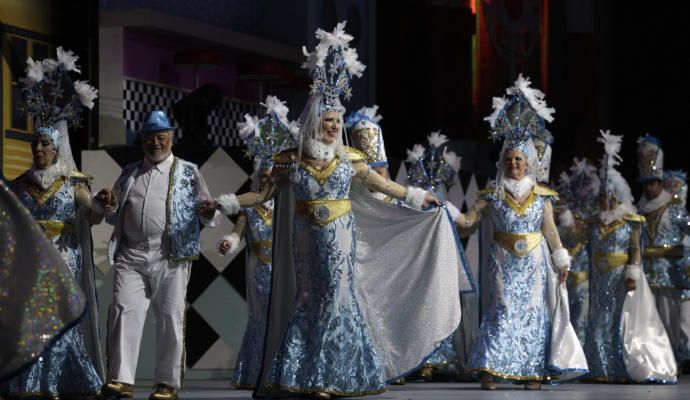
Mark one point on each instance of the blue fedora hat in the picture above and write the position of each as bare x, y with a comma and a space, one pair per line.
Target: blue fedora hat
156, 121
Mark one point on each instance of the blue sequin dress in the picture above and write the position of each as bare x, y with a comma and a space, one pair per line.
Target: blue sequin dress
66, 368
259, 234
514, 336
327, 346
578, 286
607, 295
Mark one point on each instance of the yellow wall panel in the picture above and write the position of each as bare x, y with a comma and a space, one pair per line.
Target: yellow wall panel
32, 15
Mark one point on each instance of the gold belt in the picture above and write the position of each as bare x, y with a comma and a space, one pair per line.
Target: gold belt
576, 278
262, 250
607, 262
666, 251
324, 211
54, 228
518, 243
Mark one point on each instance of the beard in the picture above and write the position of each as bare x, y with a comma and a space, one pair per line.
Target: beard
157, 157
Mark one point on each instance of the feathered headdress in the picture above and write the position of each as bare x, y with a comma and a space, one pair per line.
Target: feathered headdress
583, 188
269, 135
612, 182
51, 95
332, 65
432, 166
521, 116
366, 134
650, 158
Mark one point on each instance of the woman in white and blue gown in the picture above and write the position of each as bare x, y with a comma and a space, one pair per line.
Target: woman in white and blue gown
344, 263
626, 340
263, 138
525, 334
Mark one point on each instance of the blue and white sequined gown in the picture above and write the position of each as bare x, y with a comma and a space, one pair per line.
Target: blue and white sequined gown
578, 286
626, 341
515, 335
607, 295
259, 235
327, 346
65, 368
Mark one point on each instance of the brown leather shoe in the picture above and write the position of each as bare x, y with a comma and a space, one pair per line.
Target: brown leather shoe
116, 390
163, 392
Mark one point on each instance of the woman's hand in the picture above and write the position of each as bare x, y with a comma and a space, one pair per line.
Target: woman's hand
430, 199
224, 247
563, 275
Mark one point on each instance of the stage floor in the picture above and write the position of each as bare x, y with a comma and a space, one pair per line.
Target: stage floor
465, 391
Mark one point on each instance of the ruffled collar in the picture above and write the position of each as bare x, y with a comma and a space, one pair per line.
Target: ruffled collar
44, 177
320, 150
518, 188
646, 206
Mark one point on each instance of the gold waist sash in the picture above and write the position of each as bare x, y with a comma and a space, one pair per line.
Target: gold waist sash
324, 211
518, 243
653, 252
262, 250
576, 278
607, 262
54, 228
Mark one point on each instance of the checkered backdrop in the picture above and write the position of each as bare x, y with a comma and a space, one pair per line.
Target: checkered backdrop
141, 97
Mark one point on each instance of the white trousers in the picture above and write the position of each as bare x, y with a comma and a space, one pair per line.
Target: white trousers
143, 276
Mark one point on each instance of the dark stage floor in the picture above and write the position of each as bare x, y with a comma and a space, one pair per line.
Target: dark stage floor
466, 391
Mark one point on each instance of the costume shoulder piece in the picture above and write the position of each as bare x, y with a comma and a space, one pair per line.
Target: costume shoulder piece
285, 157
632, 217
355, 155
543, 190
487, 192
77, 177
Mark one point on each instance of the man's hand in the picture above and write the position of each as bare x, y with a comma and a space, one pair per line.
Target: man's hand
107, 199
430, 199
207, 208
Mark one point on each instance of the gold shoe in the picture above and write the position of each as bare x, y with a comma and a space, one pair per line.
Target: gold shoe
116, 390
533, 385
321, 395
164, 392
398, 382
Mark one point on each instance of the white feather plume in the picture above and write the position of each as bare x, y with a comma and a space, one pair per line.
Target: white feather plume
535, 97
497, 104
612, 147
354, 66
87, 93
436, 139
34, 72
415, 154
452, 159
293, 127
275, 105
248, 127
68, 59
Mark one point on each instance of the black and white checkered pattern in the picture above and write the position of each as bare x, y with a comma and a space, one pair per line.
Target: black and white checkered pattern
141, 97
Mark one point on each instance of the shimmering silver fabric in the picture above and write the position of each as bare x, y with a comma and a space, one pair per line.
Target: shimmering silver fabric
672, 225
39, 296
71, 365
